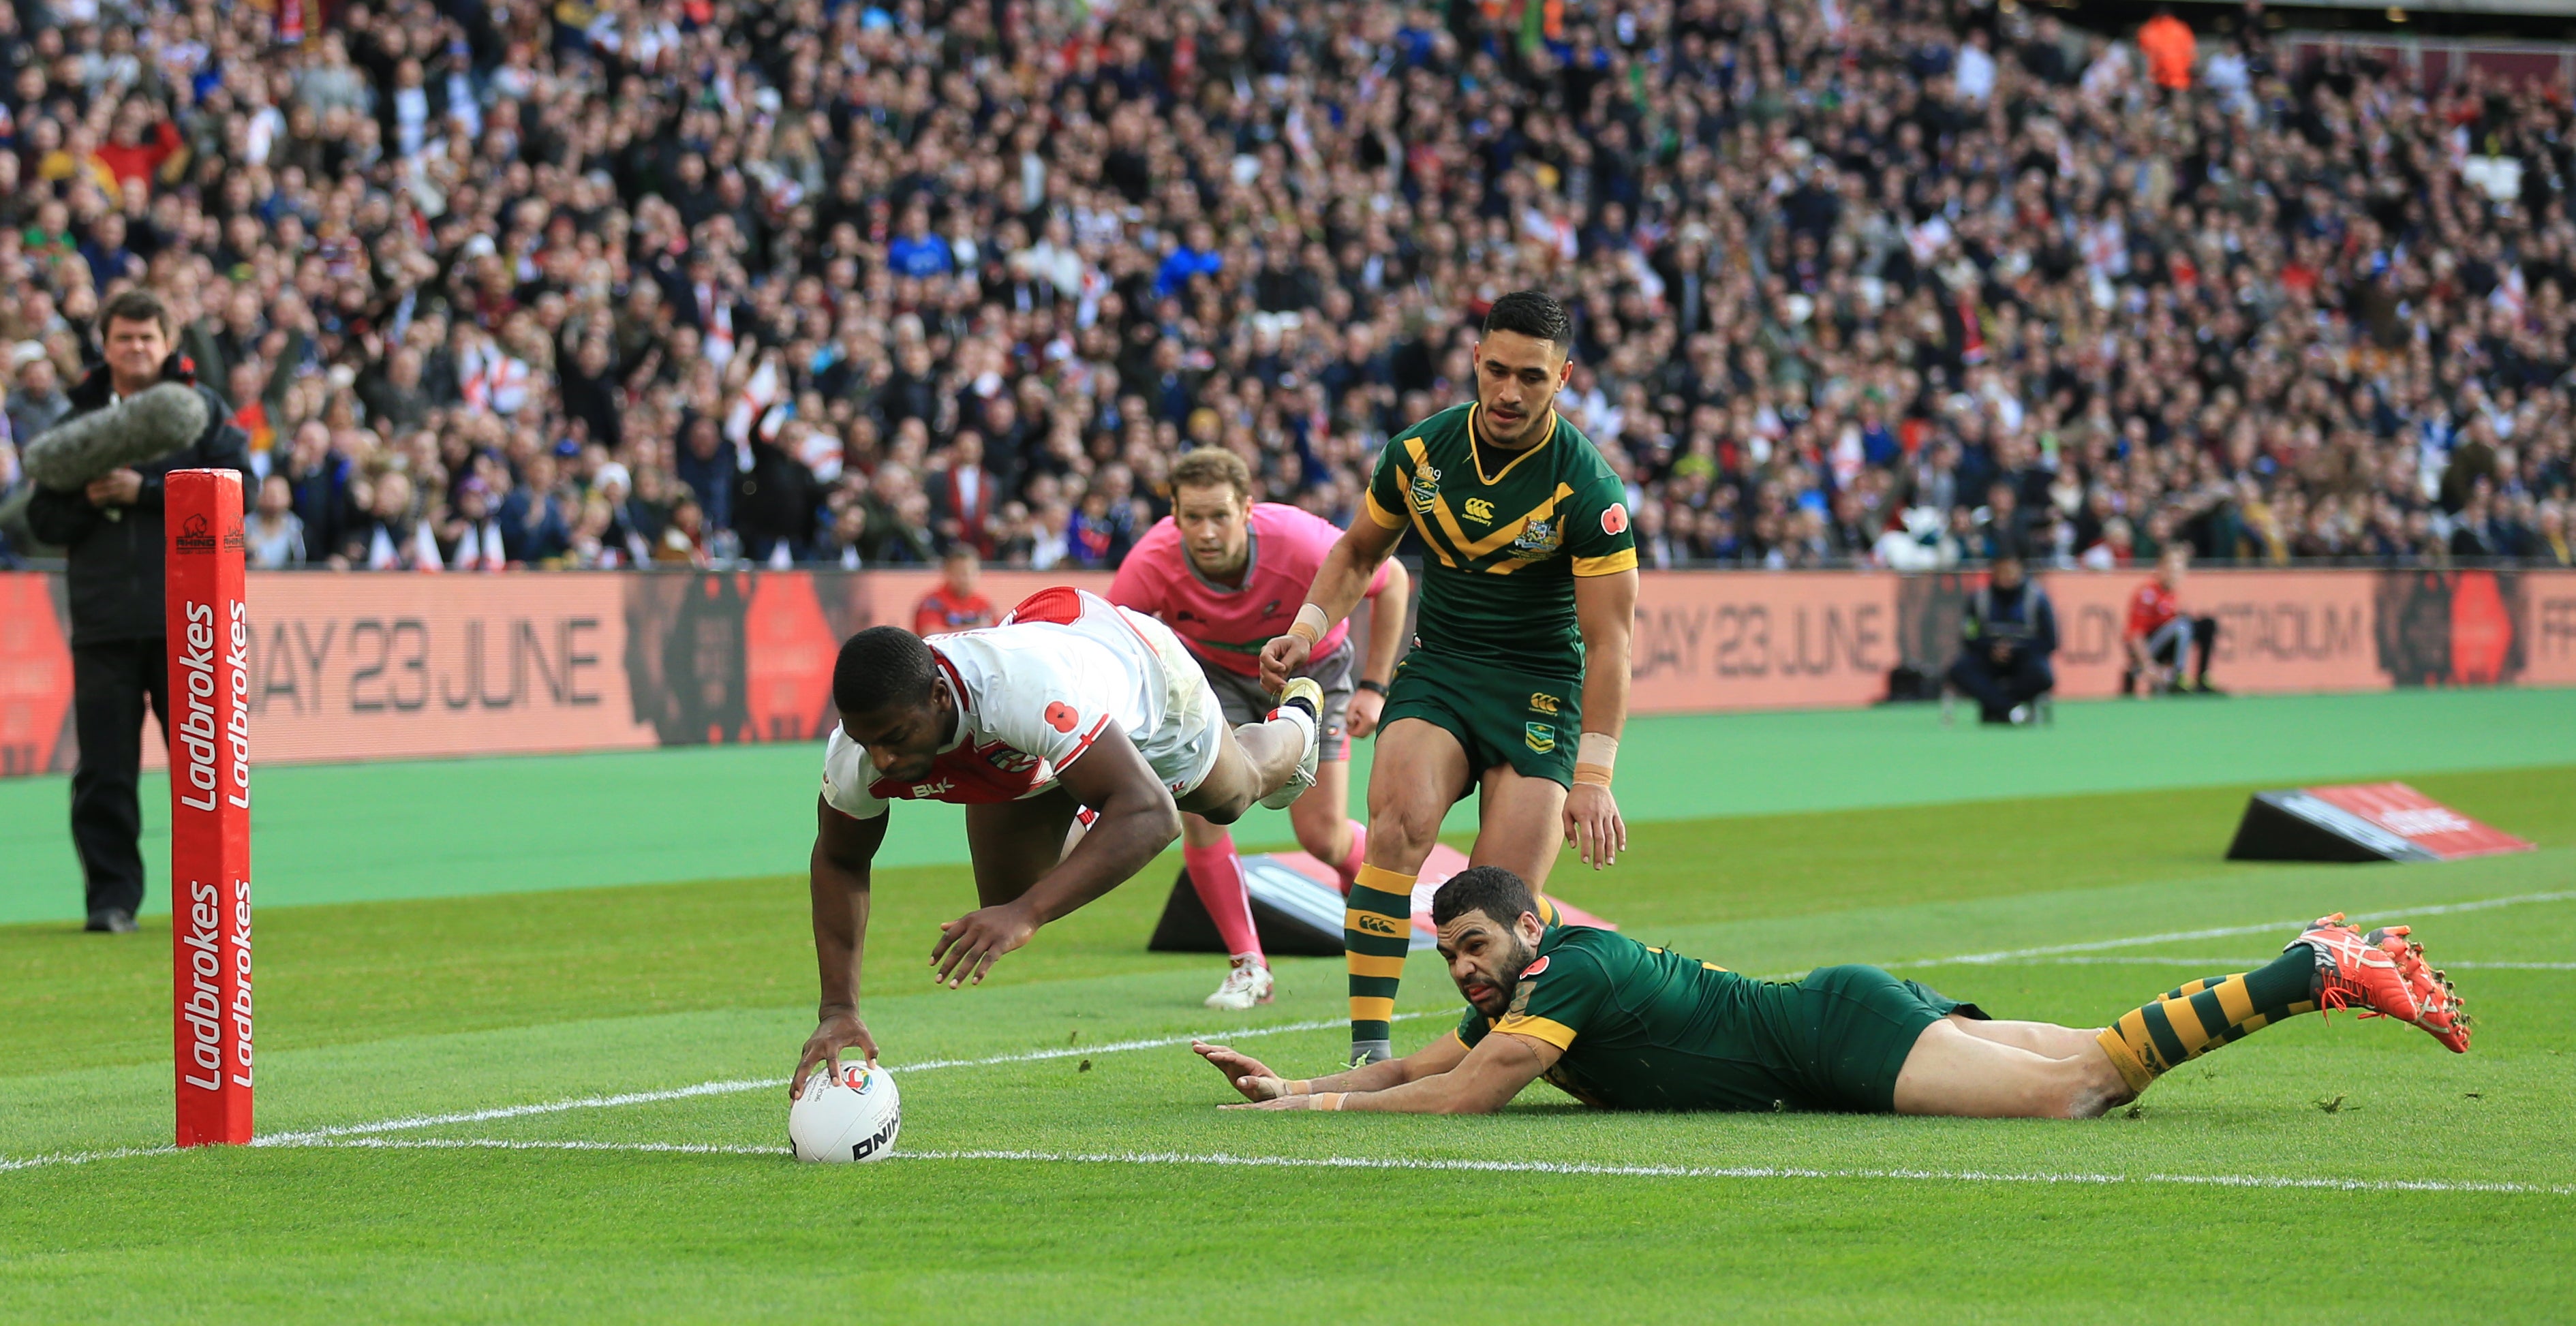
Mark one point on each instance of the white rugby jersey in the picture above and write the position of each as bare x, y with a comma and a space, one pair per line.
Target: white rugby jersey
1033, 693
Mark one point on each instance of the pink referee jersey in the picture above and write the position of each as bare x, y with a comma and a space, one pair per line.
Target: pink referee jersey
1226, 627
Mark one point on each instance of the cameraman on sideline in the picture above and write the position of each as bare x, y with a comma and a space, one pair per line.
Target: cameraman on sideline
112, 536
2006, 634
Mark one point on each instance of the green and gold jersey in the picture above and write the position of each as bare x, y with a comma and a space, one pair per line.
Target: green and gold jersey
1647, 1029
1506, 534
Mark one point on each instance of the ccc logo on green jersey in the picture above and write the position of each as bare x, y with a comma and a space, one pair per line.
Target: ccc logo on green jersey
1425, 492
1543, 703
1479, 509
1540, 736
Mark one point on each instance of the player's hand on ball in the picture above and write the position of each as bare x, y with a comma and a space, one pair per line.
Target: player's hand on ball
1361, 719
1281, 658
1593, 825
968, 945
1245, 1073
840, 1031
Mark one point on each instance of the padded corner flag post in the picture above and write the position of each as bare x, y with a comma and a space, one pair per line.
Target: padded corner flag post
209, 628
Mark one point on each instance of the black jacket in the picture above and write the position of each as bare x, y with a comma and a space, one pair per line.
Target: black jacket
2022, 618
115, 562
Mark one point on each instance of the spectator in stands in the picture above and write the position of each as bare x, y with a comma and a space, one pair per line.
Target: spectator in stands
1868, 264
36, 400
2007, 635
395, 537
2168, 651
273, 536
955, 604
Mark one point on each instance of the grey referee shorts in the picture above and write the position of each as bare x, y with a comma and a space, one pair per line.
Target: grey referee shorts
1245, 702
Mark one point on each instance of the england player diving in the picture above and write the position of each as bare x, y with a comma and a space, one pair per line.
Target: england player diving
1070, 703
1619, 1025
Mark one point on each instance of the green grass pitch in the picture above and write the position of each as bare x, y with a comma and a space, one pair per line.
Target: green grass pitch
567, 1104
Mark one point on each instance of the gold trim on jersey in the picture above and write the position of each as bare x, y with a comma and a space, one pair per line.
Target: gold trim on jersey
1623, 560
1476, 458
1537, 1028
1383, 518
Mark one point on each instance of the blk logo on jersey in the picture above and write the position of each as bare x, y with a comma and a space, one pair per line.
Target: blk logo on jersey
1061, 716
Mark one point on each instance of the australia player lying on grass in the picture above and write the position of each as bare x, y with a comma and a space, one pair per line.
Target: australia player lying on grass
1617, 1024
1069, 703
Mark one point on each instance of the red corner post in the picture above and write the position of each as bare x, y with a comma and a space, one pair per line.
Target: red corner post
209, 805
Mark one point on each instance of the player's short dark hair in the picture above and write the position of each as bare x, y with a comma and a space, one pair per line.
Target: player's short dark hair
135, 305
1496, 892
1534, 314
879, 668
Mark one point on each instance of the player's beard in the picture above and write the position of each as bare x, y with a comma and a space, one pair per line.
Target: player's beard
1507, 975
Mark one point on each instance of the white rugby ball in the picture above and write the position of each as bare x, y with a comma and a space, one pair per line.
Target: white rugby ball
850, 1117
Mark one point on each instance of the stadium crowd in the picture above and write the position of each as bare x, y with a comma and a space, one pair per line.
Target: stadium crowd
1892, 281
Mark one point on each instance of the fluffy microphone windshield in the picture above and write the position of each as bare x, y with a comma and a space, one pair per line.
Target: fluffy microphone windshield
143, 427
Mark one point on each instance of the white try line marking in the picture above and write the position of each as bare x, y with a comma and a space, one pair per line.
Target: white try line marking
2221, 932
1222, 1159
310, 1136
769, 1083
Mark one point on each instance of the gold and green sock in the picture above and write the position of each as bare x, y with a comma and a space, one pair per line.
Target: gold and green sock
2190, 1021
1377, 929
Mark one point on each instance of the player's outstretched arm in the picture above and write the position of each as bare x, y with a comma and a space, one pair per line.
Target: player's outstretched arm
1137, 821
1339, 584
1387, 610
1605, 607
844, 848
1484, 1080
1255, 1080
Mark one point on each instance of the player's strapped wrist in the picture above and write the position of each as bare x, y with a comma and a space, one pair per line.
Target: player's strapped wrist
1303, 1086
1594, 756
1311, 623
1325, 1100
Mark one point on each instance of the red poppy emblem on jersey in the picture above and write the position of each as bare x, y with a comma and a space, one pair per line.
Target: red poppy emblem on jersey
1061, 716
1534, 970
1614, 518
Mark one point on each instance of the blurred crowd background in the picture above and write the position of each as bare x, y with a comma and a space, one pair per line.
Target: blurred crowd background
1896, 283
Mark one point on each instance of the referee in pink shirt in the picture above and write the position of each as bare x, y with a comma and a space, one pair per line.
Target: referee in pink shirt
1227, 574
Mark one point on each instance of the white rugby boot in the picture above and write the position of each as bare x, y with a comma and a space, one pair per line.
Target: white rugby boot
1301, 703
1247, 986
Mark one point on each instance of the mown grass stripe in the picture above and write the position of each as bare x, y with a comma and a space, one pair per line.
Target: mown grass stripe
1583, 1168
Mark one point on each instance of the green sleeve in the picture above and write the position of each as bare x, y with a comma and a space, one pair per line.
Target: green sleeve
1558, 997
1597, 535
1472, 1027
1385, 503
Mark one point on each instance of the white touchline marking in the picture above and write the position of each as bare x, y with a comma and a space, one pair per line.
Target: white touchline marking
1586, 1168
2442, 909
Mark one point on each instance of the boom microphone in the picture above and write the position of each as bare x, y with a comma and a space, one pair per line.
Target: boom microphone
143, 427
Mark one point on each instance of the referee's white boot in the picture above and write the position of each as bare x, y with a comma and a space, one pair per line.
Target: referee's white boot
1247, 986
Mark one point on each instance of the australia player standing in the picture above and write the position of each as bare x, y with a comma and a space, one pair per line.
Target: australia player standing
1517, 685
